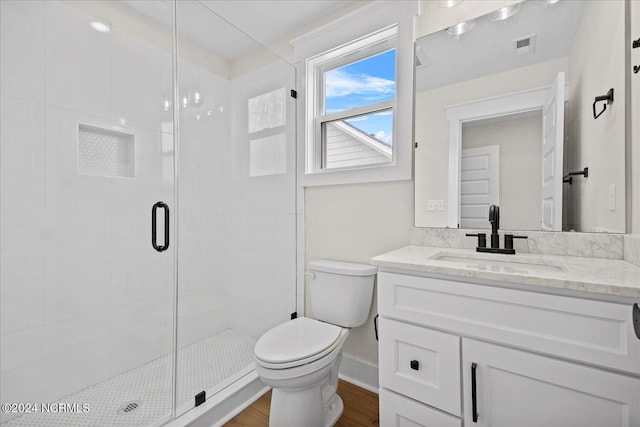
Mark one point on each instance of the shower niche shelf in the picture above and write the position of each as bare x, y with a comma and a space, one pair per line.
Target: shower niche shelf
105, 152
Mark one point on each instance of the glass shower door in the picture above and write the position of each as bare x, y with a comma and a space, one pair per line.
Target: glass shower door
87, 149
236, 194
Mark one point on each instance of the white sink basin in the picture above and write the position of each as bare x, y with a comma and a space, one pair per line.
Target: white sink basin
489, 262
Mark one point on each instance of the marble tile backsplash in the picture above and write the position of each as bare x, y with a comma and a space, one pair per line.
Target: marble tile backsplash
632, 249
590, 245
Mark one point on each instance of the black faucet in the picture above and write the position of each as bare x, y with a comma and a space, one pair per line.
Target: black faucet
494, 219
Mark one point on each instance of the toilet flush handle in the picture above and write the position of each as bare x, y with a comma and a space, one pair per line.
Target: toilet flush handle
310, 275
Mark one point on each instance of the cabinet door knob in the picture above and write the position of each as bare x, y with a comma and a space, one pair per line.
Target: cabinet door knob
415, 365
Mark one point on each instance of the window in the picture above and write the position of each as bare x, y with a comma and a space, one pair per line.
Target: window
374, 42
352, 101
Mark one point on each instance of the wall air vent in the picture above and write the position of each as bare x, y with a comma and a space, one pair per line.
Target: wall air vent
524, 45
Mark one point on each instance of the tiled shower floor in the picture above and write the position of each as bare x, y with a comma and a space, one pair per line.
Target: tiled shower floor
200, 366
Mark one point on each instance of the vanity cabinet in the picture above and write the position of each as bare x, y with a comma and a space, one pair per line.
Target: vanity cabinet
510, 357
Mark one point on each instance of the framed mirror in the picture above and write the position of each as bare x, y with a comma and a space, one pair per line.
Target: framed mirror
505, 114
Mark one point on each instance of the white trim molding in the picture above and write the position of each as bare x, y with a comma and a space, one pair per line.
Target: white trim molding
497, 106
360, 373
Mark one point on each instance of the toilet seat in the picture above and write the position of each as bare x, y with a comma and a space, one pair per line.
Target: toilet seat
298, 342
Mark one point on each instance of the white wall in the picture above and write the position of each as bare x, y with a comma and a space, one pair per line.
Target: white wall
432, 128
520, 142
596, 63
355, 223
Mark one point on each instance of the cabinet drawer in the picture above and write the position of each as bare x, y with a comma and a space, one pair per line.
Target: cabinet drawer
594, 332
420, 363
399, 411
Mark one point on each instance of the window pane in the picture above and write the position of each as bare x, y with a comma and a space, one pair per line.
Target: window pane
361, 83
361, 140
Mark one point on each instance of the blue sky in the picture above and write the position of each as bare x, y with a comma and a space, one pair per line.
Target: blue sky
361, 83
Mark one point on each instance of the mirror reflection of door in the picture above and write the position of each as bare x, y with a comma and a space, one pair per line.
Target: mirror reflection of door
479, 185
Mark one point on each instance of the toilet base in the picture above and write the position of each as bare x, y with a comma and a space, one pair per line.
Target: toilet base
334, 412
303, 409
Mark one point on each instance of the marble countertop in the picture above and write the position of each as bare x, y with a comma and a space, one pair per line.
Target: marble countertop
592, 275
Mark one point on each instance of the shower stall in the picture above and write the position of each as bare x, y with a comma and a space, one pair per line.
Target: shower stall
148, 208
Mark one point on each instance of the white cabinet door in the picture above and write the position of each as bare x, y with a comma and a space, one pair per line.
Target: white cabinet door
516, 388
400, 411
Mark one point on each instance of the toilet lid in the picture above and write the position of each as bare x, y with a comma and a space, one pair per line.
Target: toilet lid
295, 340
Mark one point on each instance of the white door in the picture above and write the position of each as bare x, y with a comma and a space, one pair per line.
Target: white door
516, 388
479, 185
552, 147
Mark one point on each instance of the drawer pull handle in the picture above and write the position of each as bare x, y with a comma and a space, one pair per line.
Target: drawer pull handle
636, 319
474, 402
415, 365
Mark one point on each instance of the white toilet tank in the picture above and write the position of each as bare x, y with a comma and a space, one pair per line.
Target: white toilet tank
341, 292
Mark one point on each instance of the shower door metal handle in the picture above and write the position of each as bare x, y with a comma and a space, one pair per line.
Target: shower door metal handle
154, 239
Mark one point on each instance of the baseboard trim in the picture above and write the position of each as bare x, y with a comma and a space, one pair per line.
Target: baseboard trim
359, 372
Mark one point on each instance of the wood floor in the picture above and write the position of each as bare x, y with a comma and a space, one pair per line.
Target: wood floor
360, 409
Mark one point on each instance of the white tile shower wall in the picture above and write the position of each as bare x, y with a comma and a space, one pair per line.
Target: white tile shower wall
592, 245
22, 272
203, 303
22, 75
138, 70
83, 295
77, 62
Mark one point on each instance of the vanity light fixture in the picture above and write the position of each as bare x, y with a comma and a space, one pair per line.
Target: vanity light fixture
550, 2
504, 13
449, 3
461, 28
100, 26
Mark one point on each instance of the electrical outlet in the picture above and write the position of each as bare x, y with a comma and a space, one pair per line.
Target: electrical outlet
612, 197
435, 205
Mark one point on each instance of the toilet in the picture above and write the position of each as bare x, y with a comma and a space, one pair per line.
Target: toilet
300, 359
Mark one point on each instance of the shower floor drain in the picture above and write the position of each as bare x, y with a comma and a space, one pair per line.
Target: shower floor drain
129, 407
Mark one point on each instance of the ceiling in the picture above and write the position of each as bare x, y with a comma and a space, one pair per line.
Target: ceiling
488, 47
233, 29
